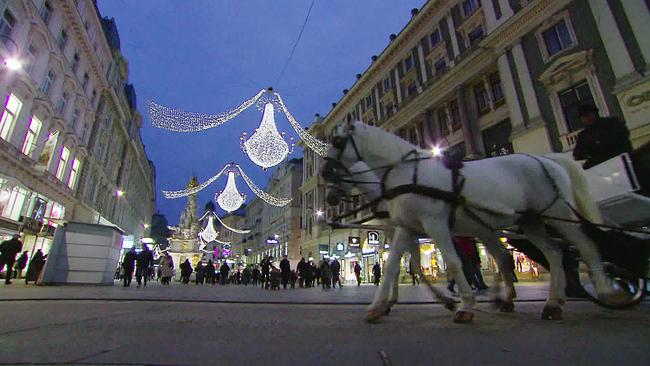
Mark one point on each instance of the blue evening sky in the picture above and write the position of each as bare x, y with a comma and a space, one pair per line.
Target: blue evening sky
209, 55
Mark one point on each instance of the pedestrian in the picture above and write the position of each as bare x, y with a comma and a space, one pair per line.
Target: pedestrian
285, 271
309, 274
35, 267
223, 273
199, 273
471, 263
8, 251
336, 273
246, 275
210, 277
144, 261
326, 274
256, 275
266, 269
414, 276
357, 273
316, 271
376, 273
186, 271
21, 263
601, 139
302, 272
167, 269
294, 278
128, 263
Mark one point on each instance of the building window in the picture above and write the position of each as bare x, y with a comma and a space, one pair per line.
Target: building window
63, 161
557, 38
85, 82
47, 83
45, 12
32, 134
368, 101
94, 97
75, 62
434, 38
408, 63
387, 84
389, 110
9, 115
443, 120
30, 58
63, 38
84, 133
440, 66
62, 103
476, 35
470, 6
495, 85
496, 139
412, 89
482, 98
413, 136
74, 172
571, 99
455, 116
7, 24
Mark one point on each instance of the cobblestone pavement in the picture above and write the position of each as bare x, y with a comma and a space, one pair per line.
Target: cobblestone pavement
100, 332
349, 294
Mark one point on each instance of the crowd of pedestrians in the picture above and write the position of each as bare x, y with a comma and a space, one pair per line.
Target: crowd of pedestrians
13, 267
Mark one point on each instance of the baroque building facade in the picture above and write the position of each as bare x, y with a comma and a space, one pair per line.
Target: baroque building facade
489, 77
70, 145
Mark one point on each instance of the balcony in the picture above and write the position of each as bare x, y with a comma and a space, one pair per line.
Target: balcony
569, 140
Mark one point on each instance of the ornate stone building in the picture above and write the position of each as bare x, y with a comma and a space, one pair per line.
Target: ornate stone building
489, 77
70, 146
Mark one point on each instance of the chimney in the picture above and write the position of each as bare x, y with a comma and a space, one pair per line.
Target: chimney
374, 58
392, 37
414, 12
345, 91
358, 76
333, 104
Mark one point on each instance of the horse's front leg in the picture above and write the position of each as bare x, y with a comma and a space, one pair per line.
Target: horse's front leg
381, 301
439, 232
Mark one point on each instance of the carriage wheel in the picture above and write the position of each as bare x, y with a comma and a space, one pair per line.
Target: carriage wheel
631, 288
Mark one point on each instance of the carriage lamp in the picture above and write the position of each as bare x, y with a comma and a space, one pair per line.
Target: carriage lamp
437, 151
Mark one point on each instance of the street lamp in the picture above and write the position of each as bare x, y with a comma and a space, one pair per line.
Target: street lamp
12, 62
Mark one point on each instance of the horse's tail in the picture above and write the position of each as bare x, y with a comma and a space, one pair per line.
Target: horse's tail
580, 188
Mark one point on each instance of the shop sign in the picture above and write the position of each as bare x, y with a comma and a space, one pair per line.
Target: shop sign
373, 237
323, 249
354, 241
272, 241
386, 246
340, 246
368, 251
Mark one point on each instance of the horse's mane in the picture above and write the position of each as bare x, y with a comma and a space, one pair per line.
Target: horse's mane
382, 143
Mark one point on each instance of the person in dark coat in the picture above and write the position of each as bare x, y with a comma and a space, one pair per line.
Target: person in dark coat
285, 271
376, 273
246, 275
8, 250
200, 270
302, 272
256, 275
326, 274
128, 263
309, 274
143, 262
223, 273
315, 270
186, 271
21, 263
357, 273
210, 273
294, 278
601, 139
35, 267
266, 270
336, 273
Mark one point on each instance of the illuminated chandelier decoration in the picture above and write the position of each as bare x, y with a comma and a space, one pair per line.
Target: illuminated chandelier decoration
266, 147
230, 199
231, 189
208, 234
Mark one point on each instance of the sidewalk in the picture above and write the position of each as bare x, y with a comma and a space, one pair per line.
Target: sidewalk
349, 294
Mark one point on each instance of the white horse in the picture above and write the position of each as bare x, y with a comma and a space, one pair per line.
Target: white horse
498, 193
364, 180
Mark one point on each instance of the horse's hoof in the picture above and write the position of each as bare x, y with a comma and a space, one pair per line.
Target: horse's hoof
617, 298
463, 317
373, 315
450, 304
552, 313
507, 307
